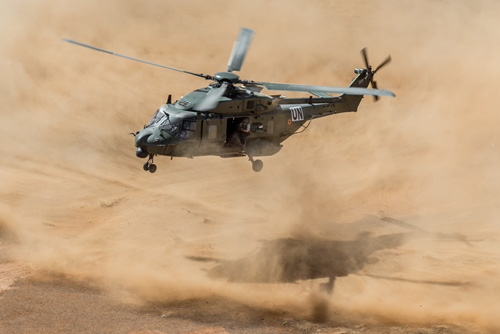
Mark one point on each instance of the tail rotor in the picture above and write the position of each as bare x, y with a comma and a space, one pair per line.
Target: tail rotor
371, 73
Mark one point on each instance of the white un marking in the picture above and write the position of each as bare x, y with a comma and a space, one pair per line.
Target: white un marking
297, 114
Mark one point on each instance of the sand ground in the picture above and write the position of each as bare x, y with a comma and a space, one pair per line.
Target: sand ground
403, 195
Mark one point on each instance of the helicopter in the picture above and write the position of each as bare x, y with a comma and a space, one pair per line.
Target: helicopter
232, 118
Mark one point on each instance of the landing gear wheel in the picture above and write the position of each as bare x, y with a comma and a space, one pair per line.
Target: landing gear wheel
149, 165
257, 165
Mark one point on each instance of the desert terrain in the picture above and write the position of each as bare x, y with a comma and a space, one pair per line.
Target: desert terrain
399, 201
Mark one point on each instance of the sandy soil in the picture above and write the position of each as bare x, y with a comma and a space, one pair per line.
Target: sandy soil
398, 202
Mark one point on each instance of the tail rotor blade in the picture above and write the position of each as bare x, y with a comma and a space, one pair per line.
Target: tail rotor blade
385, 62
240, 49
365, 57
374, 86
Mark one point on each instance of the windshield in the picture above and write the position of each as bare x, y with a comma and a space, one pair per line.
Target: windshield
156, 117
170, 125
166, 123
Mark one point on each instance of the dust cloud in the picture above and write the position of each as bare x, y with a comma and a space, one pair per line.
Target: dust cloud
79, 204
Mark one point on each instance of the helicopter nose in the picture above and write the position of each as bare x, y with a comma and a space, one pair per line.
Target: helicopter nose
142, 137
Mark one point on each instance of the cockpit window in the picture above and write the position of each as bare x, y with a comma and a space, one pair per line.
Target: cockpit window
156, 117
165, 122
171, 125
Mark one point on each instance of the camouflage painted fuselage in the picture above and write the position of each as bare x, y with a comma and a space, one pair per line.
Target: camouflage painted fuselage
177, 130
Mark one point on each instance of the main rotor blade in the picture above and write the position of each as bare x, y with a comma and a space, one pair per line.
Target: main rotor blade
385, 62
136, 59
327, 89
240, 49
212, 99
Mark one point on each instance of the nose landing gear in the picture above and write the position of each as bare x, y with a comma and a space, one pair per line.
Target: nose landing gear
149, 165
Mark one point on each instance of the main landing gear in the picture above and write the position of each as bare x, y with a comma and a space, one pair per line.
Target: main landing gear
149, 165
256, 164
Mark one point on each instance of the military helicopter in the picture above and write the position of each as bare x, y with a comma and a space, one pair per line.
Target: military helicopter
232, 118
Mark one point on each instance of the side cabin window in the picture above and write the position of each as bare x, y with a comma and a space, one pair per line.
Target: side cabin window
188, 129
257, 127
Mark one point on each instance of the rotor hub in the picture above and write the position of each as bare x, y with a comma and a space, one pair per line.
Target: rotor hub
227, 76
